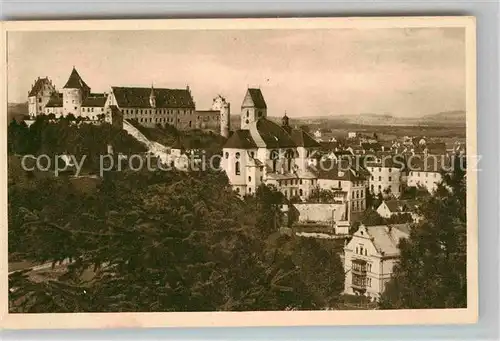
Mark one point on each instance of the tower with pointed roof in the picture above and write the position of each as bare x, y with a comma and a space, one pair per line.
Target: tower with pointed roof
74, 92
152, 98
253, 107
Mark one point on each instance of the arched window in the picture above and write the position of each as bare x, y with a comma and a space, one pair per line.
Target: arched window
301, 192
237, 155
227, 155
249, 178
237, 168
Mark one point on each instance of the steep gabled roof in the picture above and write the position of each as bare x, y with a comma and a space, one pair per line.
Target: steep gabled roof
331, 170
94, 100
132, 97
303, 139
240, 139
55, 101
386, 238
270, 135
257, 98
40, 82
75, 81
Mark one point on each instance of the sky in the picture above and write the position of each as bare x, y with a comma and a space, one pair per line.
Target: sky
307, 73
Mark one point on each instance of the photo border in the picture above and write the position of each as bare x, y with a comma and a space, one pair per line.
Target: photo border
246, 319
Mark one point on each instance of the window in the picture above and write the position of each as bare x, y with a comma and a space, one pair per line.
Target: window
390, 178
301, 192
249, 189
249, 178
252, 154
379, 178
361, 193
39, 100
340, 184
237, 168
300, 181
227, 155
361, 249
237, 155
237, 190
380, 169
390, 169
373, 178
261, 178
366, 252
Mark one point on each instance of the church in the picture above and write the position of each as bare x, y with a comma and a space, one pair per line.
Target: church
263, 152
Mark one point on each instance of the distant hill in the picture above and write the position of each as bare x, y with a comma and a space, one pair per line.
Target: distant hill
369, 119
16, 110
455, 117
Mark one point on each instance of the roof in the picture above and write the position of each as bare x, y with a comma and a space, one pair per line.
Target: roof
55, 101
303, 139
207, 112
432, 163
94, 100
129, 97
331, 170
257, 98
38, 86
75, 81
268, 134
240, 139
437, 148
373, 146
386, 238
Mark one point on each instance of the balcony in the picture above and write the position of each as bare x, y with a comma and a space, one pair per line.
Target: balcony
359, 267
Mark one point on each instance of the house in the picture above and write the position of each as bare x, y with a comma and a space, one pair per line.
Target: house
39, 95
352, 135
369, 258
344, 178
55, 105
389, 208
427, 171
387, 174
92, 106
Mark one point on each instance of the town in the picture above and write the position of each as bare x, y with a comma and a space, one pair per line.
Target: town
360, 190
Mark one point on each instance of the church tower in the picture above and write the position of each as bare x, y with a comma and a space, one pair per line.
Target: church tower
74, 92
253, 107
285, 124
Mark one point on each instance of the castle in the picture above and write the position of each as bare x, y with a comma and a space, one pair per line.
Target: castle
149, 106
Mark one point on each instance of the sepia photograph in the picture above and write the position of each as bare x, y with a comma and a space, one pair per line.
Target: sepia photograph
312, 171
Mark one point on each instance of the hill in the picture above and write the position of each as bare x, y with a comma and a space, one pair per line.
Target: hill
16, 111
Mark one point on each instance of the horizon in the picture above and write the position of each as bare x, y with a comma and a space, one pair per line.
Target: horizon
404, 73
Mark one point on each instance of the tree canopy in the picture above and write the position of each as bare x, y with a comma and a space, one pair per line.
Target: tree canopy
431, 272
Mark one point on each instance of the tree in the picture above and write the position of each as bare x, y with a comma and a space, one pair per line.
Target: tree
431, 272
370, 217
320, 195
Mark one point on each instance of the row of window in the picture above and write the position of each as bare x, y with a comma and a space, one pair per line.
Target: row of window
90, 109
158, 111
373, 169
380, 178
358, 194
358, 205
426, 174
361, 281
361, 267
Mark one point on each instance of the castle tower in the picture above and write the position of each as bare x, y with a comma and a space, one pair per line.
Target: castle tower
253, 107
74, 92
220, 104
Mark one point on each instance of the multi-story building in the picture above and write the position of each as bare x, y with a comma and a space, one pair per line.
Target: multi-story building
336, 176
426, 171
387, 174
93, 106
55, 105
265, 152
39, 95
369, 258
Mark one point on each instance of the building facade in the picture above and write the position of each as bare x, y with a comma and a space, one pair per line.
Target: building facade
265, 152
369, 258
39, 95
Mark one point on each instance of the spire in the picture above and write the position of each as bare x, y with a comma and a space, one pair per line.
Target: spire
152, 97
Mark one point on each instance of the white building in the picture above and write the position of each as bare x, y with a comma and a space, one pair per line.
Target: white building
39, 95
264, 152
333, 176
387, 176
369, 258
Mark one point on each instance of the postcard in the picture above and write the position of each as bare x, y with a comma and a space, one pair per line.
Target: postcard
239, 172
